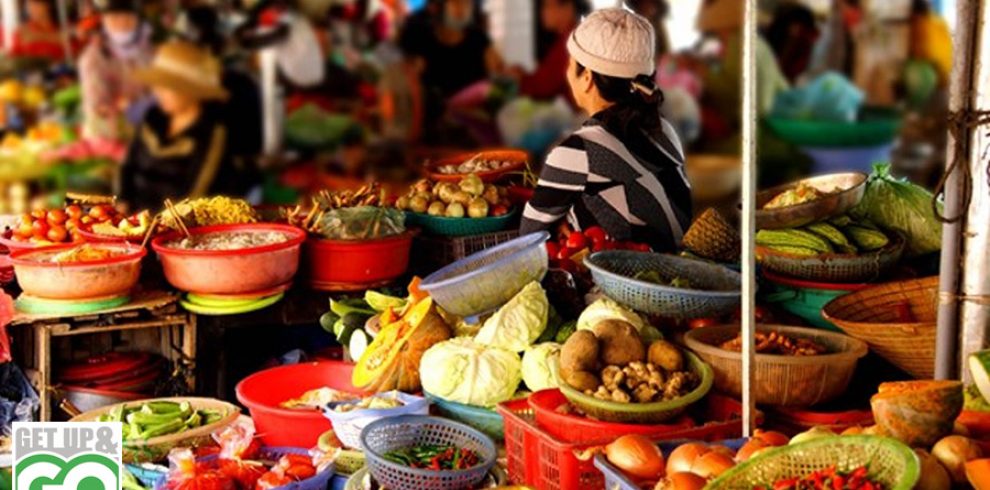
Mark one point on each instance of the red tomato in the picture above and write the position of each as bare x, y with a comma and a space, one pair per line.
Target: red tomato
577, 241
639, 247
27, 218
702, 323
25, 229
73, 224
552, 250
300, 471
57, 234
56, 217
567, 265
596, 233
40, 229
39, 214
245, 474
86, 220
597, 245
564, 254
74, 212
99, 213
294, 459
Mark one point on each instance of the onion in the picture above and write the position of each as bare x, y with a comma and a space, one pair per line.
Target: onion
933, 474
953, 452
712, 465
751, 447
771, 438
681, 481
636, 455
682, 459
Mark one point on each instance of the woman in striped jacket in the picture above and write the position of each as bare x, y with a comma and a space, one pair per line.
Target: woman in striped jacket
624, 169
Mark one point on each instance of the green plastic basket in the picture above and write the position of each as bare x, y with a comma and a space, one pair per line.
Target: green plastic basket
643, 413
444, 226
804, 299
890, 463
872, 130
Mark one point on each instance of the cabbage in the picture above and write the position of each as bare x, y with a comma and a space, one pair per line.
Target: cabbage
464, 371
540, 364
606, 309
898, 205
517, 324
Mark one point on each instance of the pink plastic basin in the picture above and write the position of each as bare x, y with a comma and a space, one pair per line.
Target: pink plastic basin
264, 391
231, 271
112, 277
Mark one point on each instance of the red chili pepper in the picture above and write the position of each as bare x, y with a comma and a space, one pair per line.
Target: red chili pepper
838, 482
785, 484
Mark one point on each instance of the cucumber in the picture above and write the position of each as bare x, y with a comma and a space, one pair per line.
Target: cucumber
979, 365
358, 343
346, 333
327, 321
381, 302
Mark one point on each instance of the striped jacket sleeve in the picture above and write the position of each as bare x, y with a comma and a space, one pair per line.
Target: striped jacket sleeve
561, 184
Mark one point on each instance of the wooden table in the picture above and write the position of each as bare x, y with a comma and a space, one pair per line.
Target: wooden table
148, 310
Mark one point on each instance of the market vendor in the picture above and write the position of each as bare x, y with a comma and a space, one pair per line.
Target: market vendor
623, 170
181, 148
111, 97
549, 80
39, 35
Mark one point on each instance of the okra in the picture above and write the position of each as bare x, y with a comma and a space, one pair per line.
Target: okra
161, 429
162, 407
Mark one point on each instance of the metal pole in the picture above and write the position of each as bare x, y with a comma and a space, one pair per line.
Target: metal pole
270, 101
974, 309
10, 13
960, 99
749, 120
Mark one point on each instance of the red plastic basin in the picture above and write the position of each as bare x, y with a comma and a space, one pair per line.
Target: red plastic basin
335, 262
239, 271
264, 391
112, 277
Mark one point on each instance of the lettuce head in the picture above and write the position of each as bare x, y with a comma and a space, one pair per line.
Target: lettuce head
540, 365
464, 371
517, 324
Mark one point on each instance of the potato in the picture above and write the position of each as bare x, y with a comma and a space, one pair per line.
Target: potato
620, 343
581, 380
580, 352
666, 355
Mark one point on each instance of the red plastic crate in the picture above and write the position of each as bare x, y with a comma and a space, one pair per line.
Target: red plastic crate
538, 459
576, 428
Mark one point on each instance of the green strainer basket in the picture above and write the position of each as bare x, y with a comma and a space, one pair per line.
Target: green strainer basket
890, 463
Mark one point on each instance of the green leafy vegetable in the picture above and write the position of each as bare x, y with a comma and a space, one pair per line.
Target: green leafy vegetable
540, 365
517, 324
898, 205
464, 371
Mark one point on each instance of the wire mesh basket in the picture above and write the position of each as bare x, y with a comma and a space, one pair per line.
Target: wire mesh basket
348, 425
488, 279
890, 463
839, 268
404, 431
713, 290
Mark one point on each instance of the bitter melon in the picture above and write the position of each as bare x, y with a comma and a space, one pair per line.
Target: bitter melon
833, 235
801, 251
793, 238
865, 238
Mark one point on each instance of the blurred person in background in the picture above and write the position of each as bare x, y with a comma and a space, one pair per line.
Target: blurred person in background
655, 11
549, 81
447, 57
112, 99
182, 147
931, 40
624, 169
792, 34
39, 36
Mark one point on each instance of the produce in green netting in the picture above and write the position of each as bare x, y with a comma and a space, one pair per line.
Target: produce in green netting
359, 223
898, 205
541, 365
464, 371
979, 365
518, 323
606, 309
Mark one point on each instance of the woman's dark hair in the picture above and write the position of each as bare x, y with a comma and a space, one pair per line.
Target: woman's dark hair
581, 7
637, 101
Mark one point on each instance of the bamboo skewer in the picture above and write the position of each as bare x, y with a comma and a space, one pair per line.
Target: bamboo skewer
178, 218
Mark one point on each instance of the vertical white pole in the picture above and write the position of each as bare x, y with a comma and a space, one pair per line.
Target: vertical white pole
749, 121
10, 13
270, 102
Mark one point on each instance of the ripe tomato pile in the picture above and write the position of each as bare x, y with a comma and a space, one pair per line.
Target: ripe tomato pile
572, 246
62, 225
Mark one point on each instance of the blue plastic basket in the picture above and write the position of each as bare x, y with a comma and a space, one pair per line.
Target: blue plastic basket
616, 480
156, 479
482, 282
715, 289
348, 425
394, 433
486, 420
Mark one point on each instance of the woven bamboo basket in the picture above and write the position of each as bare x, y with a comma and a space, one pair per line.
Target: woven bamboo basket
781, 380
713, 237
890, 462
157, 448
874, 315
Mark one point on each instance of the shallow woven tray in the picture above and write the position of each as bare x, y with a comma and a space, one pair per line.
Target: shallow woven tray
840, 268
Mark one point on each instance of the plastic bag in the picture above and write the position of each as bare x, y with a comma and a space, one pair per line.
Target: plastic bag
18, 400
898, 205
299, 56
830, 97
534, 126
362, 223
